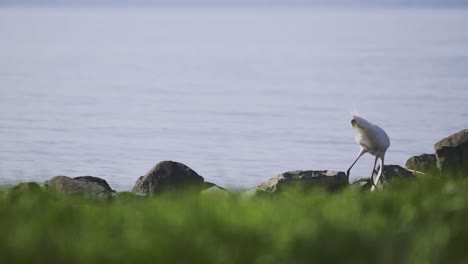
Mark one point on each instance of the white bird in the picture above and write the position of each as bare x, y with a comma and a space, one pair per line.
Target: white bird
373, 140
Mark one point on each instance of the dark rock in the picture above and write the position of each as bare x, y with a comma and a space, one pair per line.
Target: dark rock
96, 180
64, 185
452, 155
24, 188
426, 163
165, 176
302, 180
391, 172
208, 185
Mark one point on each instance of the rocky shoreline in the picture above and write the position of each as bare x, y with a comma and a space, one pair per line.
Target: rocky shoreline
449, 160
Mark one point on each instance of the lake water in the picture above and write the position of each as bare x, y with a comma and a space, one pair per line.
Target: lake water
239, 95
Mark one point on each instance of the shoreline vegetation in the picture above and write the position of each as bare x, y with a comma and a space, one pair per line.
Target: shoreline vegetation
173, 216
420, 221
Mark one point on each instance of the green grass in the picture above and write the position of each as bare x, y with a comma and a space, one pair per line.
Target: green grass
423, 221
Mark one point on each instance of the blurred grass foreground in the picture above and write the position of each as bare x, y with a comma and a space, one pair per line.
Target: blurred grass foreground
422, 221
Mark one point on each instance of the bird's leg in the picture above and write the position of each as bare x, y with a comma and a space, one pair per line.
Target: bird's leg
362, 152
382, 175
376, 169
373, 172
377, 179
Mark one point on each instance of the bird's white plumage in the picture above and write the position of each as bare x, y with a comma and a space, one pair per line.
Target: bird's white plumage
373, 140
371, 137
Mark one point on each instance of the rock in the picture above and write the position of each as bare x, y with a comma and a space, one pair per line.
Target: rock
24, 188
167, 175
426, 163
84, 187
391, 172
208, 185
97, 180
452, 155
303, 180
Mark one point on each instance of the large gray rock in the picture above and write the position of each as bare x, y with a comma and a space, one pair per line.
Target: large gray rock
168, 175
84, 187
452, 155
426, 163
96, 180
303, 180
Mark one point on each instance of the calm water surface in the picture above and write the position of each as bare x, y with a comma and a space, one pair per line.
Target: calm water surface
238, 95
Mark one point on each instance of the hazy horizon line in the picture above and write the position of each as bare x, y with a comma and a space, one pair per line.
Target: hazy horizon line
230, 3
